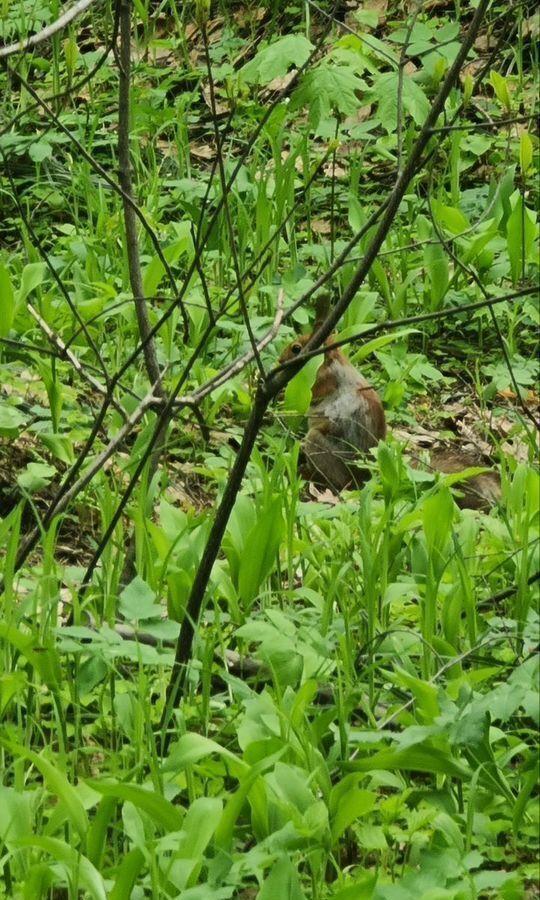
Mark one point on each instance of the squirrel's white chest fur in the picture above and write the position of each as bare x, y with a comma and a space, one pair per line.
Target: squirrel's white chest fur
347, 408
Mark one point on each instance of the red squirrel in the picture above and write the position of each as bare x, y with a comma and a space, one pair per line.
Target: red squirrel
346, 418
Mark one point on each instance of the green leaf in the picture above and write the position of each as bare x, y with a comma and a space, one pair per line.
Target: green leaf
160, 810
261, 547
155, 270
450, 217
352, 806
126, 874
11, 420
7, 303
199, 825
191, 747
282, 882
275, 60
428, 759
520, 234
436, 263
16, 814
73, 861
57, 784
369, 347
40, 150
137, 601
500, 87
362, 889
437, 518
298, 391
530, 782
327, 89
32, 276
35, 476
415, 102
525, 152
60, 445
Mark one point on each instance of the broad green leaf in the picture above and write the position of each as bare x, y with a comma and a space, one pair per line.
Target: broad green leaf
329, 89
236, 801
275, 60
32, 276
500, 86
520, 234
415, 102
191, 747
437, 517
15, 814
200, 823
425, 694
282, 882
352, 806
298, 391
40, 150
160, 810
436, 263
260, 549
127, 873
525, 152
414, 759
137, 601
57, 784
73, 861
11, 420
7, 302
450, 217
361, 351
529, 783
362, 889
35, 476
43, 658
60, 445
96, 837
155, 270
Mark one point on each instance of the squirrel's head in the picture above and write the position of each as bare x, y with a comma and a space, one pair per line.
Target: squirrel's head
295, 348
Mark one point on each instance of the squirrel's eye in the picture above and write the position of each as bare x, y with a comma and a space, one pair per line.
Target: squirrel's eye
296, 348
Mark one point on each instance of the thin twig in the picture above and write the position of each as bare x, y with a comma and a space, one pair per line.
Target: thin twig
53, 28
66, 353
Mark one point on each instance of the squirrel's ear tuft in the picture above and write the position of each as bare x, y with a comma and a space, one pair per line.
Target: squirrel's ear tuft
322, 308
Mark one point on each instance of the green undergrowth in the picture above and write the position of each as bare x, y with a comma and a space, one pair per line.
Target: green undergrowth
360, 716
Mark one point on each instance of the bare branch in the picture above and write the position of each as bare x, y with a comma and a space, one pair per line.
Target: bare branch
65, 352
26, 44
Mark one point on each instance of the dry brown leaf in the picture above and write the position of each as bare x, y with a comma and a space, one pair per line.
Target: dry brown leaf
247, 16
167, 148
161, 55
280, 84
202, 151
471, 68
222, 107
360, 115
378, 6
516, 448
323, 496
321, 226
332, 170
484, 42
